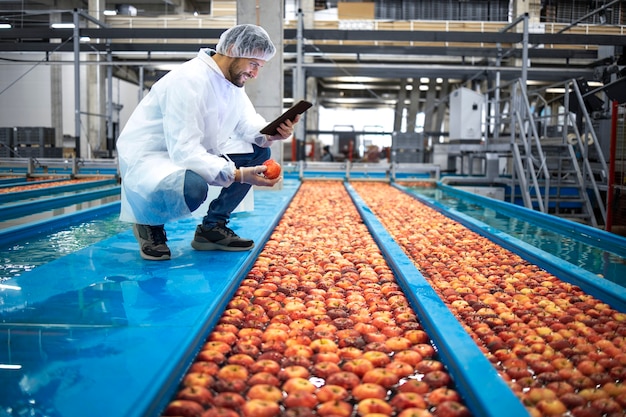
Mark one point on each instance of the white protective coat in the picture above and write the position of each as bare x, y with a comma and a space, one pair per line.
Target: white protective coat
188, 119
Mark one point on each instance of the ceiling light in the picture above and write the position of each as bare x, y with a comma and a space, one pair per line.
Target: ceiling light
110, 12
5, 26
62, 26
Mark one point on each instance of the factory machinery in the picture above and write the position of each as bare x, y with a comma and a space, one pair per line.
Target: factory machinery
101, 332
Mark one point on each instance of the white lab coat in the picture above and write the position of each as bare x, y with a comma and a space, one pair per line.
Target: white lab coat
188, 119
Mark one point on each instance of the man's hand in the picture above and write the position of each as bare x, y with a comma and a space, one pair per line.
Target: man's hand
250, 175
285, 130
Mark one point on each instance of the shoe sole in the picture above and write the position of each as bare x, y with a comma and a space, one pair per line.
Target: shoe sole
145, 255
214, 246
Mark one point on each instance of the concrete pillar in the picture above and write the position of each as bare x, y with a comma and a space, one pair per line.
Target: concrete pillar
398, 114
96, 93
56, 91
266, 92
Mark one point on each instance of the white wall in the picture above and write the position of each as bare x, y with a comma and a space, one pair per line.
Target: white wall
25, 92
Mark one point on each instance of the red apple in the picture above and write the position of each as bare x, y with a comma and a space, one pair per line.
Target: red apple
260, 408
334, 408
293, 371
381, 376
298, 384
358, 366
265, 392
369, 390
220, 412
199, 394
414, 385
229, 400
183, 408
209, 368
198, 379
265, 365
347, 380
325, 369
404, 400
451, 409
232, 372
273, 169
331, 392
301, 399
442, 394
373, 406
415, 412
264, 378
437, 379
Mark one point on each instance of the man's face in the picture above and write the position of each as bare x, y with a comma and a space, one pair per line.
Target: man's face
241, 69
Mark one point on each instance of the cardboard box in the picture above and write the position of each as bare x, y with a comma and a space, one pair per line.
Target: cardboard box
356, 11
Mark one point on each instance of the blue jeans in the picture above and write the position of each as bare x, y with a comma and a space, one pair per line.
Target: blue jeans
229, 198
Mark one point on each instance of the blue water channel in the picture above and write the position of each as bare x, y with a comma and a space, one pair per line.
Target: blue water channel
607, 264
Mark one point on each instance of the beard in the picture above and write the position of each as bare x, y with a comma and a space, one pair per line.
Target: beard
238, 77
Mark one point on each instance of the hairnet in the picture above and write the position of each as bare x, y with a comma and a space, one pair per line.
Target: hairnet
246, 41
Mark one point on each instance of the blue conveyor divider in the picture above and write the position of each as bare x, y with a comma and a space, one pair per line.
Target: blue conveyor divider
50, 191
102, 332
484, 391
13, 181
13, 211
26, 231
602, 239
605, 290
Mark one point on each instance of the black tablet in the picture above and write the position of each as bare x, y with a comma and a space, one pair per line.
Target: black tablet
299, 108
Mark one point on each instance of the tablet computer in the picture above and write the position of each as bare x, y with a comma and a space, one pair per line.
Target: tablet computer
299, 108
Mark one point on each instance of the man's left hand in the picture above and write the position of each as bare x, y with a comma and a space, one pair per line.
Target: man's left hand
285, 130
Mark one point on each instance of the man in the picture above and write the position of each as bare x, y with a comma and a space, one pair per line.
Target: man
197, 127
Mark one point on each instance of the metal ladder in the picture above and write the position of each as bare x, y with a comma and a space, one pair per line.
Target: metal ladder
555, 174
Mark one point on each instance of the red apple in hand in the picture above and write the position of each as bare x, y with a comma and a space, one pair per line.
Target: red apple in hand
273, 169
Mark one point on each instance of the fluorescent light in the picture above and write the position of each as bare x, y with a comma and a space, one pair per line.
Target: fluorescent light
6, 366
110, 12
5, 26
62, 26
85, 39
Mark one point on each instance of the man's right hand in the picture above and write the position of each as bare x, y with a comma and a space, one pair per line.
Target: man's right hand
250, 175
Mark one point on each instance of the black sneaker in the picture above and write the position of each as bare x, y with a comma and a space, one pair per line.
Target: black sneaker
219, 237
152, 240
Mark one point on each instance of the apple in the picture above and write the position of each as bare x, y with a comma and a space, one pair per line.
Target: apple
413, 385
411, 357
220, 412
373, 406
426, 350
199, 394
183, 408
335, 408
265, 365
369, 390
265, 392
209, 368
415, 412
217, 345
451, 409
235, 385
377, 358
298, 384
404, 400
241, 359
198, 379
331, 392
325, 369
347, 380
381, 376
231, 372
293, 371
402, 369
260, 408
264, 378
229, 400
437, 378
324, 345
301, 399
273, 169
442, 394
551, 407
358, 366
